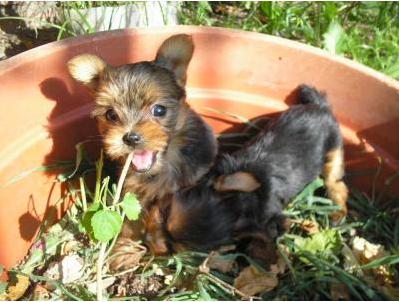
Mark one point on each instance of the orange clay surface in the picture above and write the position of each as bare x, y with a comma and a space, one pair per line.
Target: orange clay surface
44, 113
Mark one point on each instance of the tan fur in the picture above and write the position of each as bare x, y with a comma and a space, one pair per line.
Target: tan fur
336, 188
154, 232
87, 68
131, 91
239, 181
153, 134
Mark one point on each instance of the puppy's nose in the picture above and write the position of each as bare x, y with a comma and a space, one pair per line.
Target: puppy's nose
131, 138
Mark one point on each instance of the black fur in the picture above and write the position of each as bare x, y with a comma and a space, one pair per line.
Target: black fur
284, 159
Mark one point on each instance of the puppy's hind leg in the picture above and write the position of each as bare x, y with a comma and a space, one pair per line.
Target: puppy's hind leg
333, 172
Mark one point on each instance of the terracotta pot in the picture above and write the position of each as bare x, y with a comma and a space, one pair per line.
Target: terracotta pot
44, 113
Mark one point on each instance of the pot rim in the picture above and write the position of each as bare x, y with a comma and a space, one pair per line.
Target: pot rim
52, 47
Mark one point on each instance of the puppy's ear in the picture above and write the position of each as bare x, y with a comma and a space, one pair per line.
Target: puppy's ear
239, 181
175, 54
87, 69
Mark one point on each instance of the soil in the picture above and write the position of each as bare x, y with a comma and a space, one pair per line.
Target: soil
17, 36
131, 284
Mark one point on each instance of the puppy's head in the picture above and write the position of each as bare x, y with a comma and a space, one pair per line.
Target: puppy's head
137, 105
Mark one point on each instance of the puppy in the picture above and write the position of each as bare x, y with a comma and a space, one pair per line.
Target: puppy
244, 194
141, 108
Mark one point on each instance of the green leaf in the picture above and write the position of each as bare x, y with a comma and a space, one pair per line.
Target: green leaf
131, 206
3, 286
334, 38
327, 242
106, 225
87, 216
1, 269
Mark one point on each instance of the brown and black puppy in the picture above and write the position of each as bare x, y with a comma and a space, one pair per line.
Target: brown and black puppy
141, 108
244, 194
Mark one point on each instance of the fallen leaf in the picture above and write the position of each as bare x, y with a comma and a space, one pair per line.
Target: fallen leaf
40, 293
14, 292
126, 254
71, 268
366, 252
53, 271
252, 281
309, 226
220, 263
279, 267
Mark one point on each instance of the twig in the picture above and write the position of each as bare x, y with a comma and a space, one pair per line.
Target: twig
231, 287
204, 269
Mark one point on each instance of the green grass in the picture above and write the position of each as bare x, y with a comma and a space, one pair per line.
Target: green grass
367, 32
315, 262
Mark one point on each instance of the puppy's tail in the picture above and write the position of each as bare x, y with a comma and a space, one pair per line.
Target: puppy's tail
310, 95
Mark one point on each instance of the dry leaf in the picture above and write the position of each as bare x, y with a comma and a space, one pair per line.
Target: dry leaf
71, 268
68, 270
252, 281
126, 254
339, 291
218, 262
40, 293
53, 271
279, 267
14, 292
310, 226
366, 252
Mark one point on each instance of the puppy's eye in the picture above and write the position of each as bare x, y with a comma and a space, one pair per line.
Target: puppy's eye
111, 116
158, 110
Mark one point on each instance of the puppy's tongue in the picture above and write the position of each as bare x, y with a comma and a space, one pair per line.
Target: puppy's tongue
143, 159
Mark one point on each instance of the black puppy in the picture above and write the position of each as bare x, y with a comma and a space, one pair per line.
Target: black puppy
244, 193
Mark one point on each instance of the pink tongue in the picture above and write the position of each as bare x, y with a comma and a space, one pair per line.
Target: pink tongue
142, 159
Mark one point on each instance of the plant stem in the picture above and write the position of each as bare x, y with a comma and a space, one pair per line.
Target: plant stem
122, 178
100, 263
83, 194
101, 256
